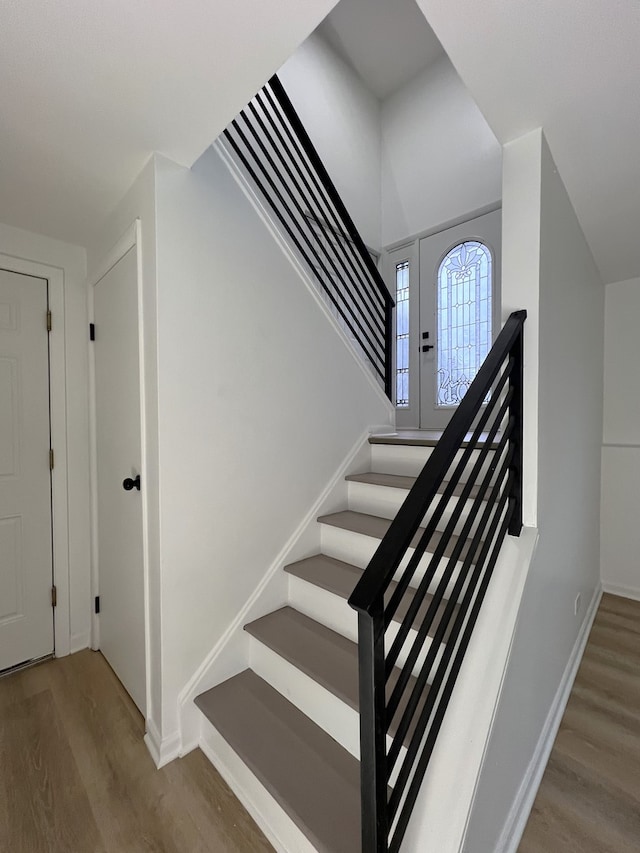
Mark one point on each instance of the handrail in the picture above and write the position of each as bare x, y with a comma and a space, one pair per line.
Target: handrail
271, 143
314, 157
386, 559
404, 685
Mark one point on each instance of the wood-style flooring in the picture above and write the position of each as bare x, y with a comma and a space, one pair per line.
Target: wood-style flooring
76, 777
589, 799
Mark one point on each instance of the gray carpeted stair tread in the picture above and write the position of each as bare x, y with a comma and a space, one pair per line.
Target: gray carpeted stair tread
322, 654
341, 578
309, 774
376, 527
398, 481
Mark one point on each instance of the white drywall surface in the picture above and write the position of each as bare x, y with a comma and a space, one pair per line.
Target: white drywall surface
621, 441
571, 68
621, 422
342, 119
71, 260
521, 188
570, 299
441, 811
440, 159
260, 401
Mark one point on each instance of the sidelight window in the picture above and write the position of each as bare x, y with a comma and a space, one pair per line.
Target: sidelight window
402, 334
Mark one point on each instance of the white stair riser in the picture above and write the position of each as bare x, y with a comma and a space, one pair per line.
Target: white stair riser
406, 460
329, 712
385, 501
330, 610
333, 612
279, 828
358, 550
332, 714
409, 461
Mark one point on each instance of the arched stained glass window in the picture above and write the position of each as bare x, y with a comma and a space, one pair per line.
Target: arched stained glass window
463, 287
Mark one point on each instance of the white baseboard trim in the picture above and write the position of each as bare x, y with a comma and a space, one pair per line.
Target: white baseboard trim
162, 751
77, 642
519, 813
621, 590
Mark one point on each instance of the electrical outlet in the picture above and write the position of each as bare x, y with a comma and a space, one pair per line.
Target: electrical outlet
576, 606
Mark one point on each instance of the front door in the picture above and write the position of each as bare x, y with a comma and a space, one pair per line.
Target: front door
118, 452
26, 567
459, 312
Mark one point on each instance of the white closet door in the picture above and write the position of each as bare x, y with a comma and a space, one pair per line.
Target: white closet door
120, 530
26, 613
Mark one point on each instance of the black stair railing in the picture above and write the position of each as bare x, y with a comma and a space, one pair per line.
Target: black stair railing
271, 143
405, 682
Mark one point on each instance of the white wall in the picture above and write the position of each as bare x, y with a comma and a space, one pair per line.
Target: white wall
72, 261
621, 441
343, 120
260, 400
569, 327
521, 191
440, 159
422, 158
140, 203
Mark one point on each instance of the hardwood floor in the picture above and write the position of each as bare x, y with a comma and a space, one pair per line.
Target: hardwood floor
75, 776
589, 799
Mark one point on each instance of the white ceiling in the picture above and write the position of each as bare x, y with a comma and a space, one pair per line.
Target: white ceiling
573, 68
387, 42
90, 88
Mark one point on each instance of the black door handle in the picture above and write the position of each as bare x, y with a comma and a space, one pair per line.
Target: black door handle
130, 484
426, 347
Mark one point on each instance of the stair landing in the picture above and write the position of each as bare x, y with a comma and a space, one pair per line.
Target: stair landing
418, 437
423, 437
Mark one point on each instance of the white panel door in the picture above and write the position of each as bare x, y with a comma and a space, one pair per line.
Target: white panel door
26, 614
118, 446
439, 383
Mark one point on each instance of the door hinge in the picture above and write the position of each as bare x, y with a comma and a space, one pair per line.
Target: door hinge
96, 605
51, 460
54, 596
92, 331
49, 323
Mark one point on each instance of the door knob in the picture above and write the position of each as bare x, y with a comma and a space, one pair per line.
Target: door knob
130, 484
426, 347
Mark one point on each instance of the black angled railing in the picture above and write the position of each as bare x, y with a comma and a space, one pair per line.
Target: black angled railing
275, 150
471, 486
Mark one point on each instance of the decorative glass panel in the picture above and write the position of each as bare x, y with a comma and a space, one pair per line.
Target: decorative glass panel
402, 334
464, 286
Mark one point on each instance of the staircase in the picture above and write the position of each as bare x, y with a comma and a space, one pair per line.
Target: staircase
292, 717
328, 733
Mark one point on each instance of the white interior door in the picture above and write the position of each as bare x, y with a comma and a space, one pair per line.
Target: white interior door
459, 311
118, 451
26, 569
